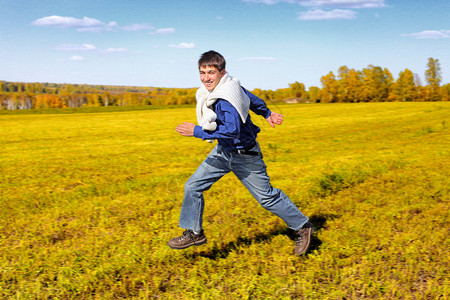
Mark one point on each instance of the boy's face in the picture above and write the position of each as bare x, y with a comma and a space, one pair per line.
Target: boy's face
210, 77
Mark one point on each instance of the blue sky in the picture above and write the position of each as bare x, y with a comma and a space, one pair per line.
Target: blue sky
267, 43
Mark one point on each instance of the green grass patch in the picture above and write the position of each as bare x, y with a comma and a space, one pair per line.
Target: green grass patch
88, 201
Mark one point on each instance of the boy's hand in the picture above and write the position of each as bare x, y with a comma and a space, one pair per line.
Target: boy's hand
275, 119
185, 129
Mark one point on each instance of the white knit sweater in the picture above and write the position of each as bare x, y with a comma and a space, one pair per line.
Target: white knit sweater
229, 89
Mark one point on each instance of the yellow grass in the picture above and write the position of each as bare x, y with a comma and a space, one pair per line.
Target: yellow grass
88, 202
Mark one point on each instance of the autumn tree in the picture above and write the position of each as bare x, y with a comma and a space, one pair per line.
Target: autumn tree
266, 95
298, 90
313, 94
48, 101
445, 92
376, 83
350, 83
433, 77
404, 88
330, 86
283, 94
106, 99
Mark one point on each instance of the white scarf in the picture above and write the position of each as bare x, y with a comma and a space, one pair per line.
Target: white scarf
229, 89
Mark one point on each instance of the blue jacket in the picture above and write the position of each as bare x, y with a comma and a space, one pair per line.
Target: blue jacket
231, 132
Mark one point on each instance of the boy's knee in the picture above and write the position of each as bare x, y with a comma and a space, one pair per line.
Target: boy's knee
192, 185
189, 185
267, 203
269, 199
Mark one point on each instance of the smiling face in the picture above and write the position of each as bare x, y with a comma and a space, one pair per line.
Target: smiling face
210, 77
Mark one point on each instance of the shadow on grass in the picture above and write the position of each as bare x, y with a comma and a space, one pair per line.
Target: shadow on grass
223, 251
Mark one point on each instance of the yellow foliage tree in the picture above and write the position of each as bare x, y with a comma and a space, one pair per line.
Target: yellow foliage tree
330, 88
404, 88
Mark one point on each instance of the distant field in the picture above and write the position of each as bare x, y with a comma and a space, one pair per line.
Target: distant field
88, 202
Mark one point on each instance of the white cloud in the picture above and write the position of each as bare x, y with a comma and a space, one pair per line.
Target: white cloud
76, 47
340, 12
318, 14
88, 47
138, 27
84, 24
77, 58
327, 3
343, 3
183, 45
87, 24
268, 2
115, 50
430, 34
260, 58
58, 21
103, 27
165, 31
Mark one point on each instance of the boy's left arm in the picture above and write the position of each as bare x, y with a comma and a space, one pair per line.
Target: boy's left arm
275, 119
259, 107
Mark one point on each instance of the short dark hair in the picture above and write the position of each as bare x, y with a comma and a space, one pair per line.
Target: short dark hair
212, 59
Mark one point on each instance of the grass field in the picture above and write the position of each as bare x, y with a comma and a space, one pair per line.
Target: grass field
88, 202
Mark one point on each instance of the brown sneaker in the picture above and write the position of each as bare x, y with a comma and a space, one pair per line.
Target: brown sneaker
189, 238
303, 238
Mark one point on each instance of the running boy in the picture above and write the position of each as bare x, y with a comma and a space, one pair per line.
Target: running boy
223, 115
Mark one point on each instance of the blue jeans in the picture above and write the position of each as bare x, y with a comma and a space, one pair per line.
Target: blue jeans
252, 172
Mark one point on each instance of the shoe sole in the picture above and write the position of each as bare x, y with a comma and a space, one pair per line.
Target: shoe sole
199, 243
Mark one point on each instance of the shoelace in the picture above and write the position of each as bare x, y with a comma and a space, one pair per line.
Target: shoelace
299, 238
186, 234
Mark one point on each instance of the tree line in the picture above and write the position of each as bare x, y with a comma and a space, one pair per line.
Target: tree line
18, 95
371, 84
375, 84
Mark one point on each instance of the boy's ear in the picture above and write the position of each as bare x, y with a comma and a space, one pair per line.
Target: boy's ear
223, 72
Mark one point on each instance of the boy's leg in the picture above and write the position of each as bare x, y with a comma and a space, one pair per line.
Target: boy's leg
252, 172
212, 169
